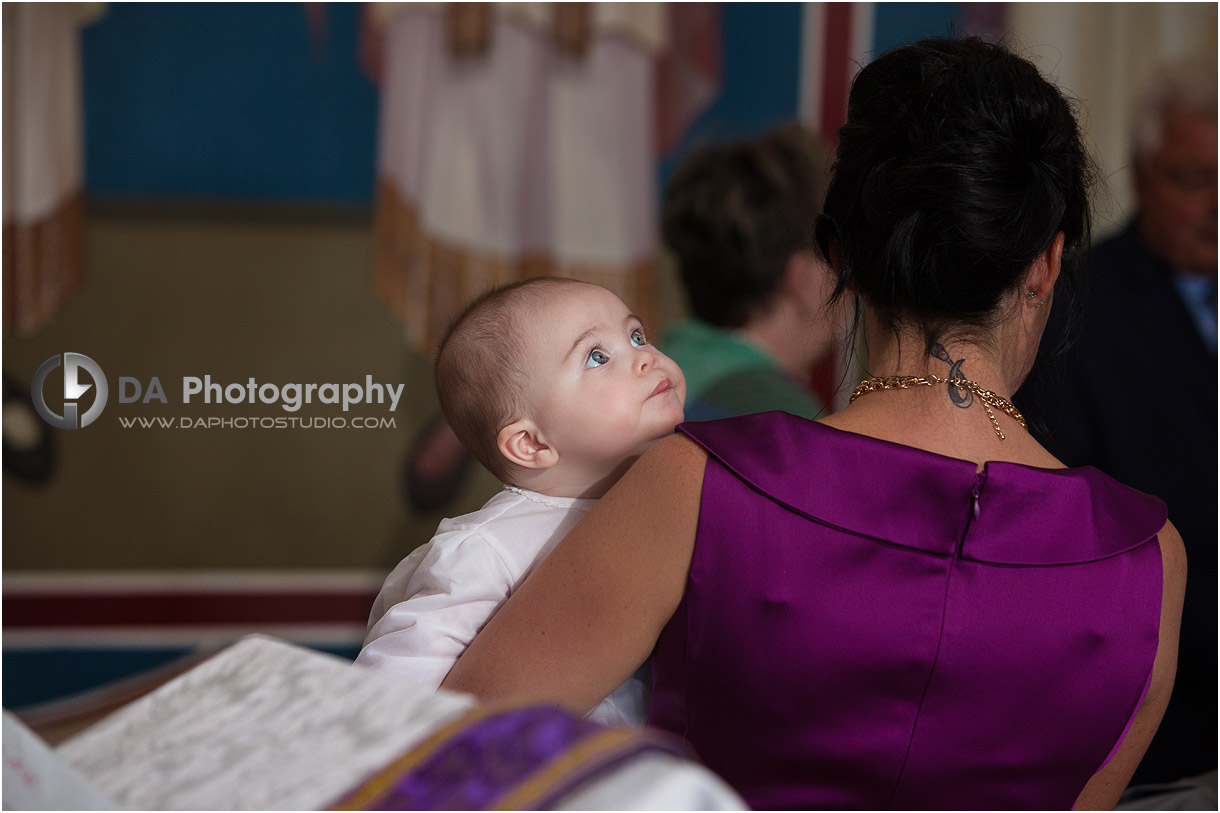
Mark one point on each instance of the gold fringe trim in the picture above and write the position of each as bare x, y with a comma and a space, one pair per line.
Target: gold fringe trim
470, 27
43, 265
426, 282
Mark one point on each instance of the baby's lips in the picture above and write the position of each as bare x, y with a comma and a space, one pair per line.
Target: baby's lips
664, 385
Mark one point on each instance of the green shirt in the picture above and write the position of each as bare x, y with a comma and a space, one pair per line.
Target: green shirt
727, 375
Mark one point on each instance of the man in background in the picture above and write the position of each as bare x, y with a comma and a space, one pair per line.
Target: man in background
1135, 395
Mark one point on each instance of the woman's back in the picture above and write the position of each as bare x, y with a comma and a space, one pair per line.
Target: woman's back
902, 630
843, 621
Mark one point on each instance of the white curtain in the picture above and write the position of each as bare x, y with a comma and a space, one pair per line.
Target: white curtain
1103, 54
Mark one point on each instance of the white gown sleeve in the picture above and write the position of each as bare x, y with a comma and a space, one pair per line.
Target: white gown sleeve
435, 602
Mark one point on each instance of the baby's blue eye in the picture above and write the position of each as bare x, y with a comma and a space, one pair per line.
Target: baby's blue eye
596, 359
637, 338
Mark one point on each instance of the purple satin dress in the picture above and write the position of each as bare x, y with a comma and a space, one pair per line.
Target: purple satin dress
868, 625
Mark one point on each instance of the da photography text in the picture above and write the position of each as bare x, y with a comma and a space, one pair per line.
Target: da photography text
290, 397
84, 391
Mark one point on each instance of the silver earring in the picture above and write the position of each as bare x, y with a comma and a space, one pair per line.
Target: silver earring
1031, 295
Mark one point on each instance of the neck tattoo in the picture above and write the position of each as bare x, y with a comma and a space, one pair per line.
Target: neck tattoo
961, 389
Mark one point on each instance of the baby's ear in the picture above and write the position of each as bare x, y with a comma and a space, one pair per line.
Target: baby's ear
522, 445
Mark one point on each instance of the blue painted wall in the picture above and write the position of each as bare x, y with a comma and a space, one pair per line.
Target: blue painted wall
35, 676
760, 73
226, 100
901, 23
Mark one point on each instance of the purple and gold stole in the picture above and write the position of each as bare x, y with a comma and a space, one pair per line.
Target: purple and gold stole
520, 757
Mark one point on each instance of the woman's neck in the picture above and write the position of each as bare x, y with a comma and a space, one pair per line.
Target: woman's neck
933, 414
946, 359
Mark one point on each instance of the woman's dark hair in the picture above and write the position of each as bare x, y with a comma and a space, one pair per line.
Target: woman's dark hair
736, 214
957, 166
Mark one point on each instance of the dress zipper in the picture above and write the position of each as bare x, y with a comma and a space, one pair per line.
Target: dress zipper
979, 479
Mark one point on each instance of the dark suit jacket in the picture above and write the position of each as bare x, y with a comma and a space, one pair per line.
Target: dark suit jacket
1135, 396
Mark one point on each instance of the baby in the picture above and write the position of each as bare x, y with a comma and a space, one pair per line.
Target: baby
553, 386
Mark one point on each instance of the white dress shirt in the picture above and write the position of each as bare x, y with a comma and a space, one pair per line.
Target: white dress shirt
438, 598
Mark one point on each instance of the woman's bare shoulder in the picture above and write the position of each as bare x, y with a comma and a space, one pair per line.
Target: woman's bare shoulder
1173, 557
671, 469
678, 448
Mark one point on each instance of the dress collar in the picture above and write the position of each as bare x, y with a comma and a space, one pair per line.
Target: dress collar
1007, 513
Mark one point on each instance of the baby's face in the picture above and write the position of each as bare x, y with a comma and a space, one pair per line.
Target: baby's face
598, 391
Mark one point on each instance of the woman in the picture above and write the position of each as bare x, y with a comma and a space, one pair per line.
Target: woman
910, 603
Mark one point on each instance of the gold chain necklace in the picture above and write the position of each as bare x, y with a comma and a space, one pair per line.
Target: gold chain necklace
902, 382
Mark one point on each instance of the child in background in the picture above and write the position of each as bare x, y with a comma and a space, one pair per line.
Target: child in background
736, 218
552, 385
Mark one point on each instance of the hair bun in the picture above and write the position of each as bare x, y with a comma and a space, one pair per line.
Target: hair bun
956, 167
